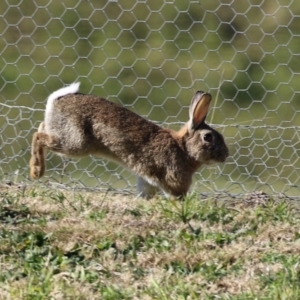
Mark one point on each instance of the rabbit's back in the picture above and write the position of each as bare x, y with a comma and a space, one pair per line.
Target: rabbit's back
87, 124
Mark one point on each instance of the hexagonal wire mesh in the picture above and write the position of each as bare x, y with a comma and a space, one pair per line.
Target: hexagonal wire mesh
151, 56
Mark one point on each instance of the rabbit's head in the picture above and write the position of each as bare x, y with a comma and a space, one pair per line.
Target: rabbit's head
204, 144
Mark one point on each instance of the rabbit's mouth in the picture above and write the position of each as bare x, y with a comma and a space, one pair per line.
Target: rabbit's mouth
214, 161
219, 151
220, 159
215, 156
221, 156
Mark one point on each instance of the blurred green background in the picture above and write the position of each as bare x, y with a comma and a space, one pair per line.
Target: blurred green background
151, 56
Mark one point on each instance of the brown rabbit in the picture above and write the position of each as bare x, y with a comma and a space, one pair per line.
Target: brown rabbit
77, 125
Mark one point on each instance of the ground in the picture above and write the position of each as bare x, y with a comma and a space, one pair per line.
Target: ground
58, 244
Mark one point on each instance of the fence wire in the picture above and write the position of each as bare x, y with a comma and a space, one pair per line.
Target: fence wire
151, 56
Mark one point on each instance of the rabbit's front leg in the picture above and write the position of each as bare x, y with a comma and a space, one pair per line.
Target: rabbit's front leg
145, 190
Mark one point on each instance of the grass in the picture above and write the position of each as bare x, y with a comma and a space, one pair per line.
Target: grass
78, 245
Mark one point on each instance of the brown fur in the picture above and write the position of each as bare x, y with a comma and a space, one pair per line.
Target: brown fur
88, 125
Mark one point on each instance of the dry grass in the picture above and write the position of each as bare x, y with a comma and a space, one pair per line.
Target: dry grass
69, 245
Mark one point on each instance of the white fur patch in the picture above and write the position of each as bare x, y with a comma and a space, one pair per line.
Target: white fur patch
70, 89
145, 186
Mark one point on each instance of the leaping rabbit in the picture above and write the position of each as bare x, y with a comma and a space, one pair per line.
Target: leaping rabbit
77, 125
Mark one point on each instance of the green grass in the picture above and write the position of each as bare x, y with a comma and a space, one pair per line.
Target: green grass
79, 245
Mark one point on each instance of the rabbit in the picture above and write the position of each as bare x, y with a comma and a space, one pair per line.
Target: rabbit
77, 125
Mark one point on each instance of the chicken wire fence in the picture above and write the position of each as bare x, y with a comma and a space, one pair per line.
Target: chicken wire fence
151, 56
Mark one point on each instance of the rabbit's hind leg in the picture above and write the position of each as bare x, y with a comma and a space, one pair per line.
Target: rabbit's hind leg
37, 160
40, 141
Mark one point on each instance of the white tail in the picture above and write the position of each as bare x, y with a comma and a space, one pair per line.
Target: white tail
70, 89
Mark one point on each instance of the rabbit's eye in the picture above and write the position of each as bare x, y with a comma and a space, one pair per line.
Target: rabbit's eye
208, 137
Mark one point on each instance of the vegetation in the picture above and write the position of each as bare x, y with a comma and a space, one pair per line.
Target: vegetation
78, 245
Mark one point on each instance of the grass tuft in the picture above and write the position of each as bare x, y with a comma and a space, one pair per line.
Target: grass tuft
67, 245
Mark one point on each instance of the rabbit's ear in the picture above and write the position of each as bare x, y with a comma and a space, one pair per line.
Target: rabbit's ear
198, 109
